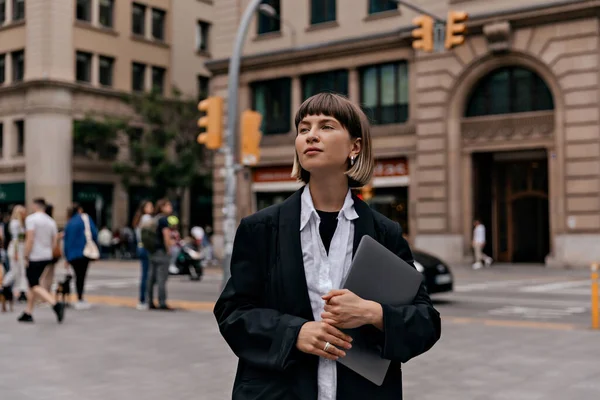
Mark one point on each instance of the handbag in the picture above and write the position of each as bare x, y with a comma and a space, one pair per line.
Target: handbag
90, 250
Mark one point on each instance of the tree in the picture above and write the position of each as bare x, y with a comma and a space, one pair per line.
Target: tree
163, 151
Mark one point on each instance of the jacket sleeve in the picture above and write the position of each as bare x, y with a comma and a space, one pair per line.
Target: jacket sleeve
409, 330
67, 239
263, 337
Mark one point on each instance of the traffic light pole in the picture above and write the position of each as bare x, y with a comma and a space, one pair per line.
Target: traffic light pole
230, 207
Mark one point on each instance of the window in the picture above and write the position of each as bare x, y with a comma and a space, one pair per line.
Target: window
384, 92
106, 13
377, 6
106, 70
20, 127
138, 19
138, 77
202, 36
2, 11
509, 90
18, 10
266, 23
273, 100
202, 87
83, 10
158, 79
330, 81
18, 65
2, 68
322, 11
1, 139
83, 67
158, 24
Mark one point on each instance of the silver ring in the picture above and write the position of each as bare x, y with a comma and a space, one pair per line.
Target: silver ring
327, 345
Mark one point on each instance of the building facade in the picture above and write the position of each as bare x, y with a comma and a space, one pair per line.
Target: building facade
63, 59
504, 128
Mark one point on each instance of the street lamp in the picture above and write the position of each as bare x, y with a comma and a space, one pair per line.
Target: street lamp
269, 11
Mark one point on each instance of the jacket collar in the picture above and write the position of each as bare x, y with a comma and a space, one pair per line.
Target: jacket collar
308, 211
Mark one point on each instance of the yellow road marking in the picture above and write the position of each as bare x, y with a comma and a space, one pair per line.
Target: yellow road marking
132, 302
513, 323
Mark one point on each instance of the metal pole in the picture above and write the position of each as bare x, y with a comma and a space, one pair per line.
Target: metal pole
229, 209
595, 297
420, 10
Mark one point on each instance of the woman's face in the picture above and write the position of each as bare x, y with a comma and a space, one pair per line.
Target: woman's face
324, 145
148, 208
167, 208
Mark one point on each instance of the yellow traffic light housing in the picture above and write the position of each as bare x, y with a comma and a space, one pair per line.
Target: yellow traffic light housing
250, 137
456, 28
423, 34
212, 122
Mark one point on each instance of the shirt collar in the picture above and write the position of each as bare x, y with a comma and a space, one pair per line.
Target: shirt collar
307, 208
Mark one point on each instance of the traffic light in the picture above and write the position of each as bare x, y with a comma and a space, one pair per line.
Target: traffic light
212, 122
423, 34
456, 28
250, 137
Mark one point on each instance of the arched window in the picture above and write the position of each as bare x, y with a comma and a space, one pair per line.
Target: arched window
509, 90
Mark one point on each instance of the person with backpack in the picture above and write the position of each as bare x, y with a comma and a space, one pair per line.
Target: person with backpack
156, 239
143, 216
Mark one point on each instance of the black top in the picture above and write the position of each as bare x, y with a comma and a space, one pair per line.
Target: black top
163, 223
266, 302
327, 227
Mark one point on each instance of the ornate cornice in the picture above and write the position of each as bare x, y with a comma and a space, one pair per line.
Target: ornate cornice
508, 128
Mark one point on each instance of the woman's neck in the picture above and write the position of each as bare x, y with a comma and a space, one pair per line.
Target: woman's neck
328, 193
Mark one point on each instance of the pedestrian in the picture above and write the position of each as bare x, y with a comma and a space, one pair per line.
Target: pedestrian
282, 309
16, 250
479, 244
41, 236
105, 238
159, 250
143, 216
48, 276
80, 232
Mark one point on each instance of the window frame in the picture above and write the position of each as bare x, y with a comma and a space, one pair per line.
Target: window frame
111, 14
163, 20
89, 57
2, 69
266, 24
18, 12
326, 76
377, 6
202, 35
401, 110
143, 9
111, 65
20, 142
133, 81
282, 86
324, 5
163, 73
539, 93
1, 139
86, 18
18, 68
200, 79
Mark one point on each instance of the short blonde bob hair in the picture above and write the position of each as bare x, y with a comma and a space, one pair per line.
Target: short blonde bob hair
352, 119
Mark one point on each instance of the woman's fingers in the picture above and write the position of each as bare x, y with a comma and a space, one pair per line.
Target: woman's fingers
324, 354
337, 333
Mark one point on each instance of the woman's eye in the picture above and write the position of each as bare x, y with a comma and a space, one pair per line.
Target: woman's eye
327, 127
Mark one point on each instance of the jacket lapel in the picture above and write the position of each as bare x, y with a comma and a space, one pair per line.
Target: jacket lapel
292, 264
364, 224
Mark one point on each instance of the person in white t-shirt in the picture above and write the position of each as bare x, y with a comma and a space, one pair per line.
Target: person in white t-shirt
40, 238
478, 245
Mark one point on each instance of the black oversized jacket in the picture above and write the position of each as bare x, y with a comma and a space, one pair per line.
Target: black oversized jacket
265, 303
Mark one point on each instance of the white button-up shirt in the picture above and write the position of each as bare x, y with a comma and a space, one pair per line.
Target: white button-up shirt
325, 272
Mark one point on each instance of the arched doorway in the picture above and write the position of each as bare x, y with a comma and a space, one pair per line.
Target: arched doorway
505, 124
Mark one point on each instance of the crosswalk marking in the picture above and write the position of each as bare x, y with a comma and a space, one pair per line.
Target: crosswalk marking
556, 286
537, 313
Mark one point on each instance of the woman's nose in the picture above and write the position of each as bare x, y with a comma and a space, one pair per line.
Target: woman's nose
312, 135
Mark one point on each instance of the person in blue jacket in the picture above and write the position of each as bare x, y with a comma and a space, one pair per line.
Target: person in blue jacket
74, 243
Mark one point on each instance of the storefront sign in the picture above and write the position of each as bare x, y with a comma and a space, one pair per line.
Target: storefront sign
391, 167
272, 174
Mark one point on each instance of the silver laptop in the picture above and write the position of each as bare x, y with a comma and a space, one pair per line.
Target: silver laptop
379, 275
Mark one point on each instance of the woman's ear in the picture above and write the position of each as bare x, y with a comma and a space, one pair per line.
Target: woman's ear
356, 146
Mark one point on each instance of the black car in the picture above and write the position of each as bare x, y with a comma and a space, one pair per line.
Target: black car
438, 276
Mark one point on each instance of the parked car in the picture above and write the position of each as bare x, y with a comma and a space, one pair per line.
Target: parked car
438, 276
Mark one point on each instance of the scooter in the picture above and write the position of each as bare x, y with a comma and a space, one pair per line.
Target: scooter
189, 262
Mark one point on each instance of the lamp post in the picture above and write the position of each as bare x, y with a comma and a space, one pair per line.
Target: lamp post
269, 11
229, 208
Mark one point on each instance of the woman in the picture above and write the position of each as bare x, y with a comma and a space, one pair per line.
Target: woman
74, 243
16, 250
48, 275
281, 312
142, 216
158, 272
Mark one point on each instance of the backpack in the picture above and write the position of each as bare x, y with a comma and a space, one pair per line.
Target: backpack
149, 236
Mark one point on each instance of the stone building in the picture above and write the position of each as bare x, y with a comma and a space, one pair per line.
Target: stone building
504, 128
61, 59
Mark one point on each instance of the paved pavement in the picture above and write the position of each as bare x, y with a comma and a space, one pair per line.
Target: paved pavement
490, 349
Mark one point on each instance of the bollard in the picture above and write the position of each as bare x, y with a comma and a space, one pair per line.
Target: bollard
595, 299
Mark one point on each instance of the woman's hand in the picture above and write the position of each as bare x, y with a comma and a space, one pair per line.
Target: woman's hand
345, 310
314, 336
